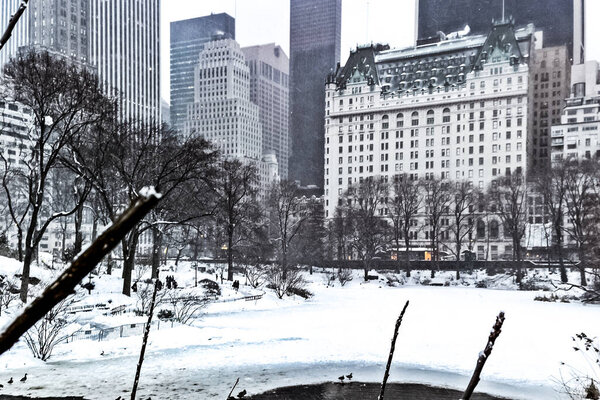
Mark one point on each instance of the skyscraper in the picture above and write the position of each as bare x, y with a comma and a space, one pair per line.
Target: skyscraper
554, 17
315, 41
124, 47
188, 38
61, 27
269, 83
222, 111
20, 36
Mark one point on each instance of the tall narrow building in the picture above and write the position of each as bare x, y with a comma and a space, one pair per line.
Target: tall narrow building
222, 111
125, 49
188, 38
551, 77
315, 41
269, 82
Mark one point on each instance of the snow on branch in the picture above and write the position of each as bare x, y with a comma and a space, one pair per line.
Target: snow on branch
484, 355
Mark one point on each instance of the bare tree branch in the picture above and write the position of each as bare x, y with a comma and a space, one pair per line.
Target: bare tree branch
64, 285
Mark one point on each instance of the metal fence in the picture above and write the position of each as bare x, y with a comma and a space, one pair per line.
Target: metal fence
100, 334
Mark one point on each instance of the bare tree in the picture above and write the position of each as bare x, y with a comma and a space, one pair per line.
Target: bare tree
234, 190
288, 217
340, 232
582, 209
509, 200
437, 203
403, 209
310, 246
65, 102
551, 184
366, 204
463, 199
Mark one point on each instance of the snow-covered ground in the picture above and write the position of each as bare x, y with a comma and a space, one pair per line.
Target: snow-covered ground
270, 342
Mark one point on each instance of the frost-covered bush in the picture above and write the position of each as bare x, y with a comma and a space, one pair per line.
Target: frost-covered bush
344, 276
50, 330
211, 287
289, 281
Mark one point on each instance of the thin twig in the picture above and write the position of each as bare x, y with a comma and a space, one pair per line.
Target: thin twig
389, 363
65, 284
12, 23
484, 355
233, 388
144, 341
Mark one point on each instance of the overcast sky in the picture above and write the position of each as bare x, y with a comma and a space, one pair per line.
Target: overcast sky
363, 21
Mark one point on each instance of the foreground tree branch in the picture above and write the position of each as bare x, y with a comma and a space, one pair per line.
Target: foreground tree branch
389, 363
65, 284
484, 355
12, 23
144, 341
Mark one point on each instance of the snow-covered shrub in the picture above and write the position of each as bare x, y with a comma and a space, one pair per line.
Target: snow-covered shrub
344, 276
285, 282
144, 291
211, 287
583, 384
532, 284
164, 314
9, 292
482, 284
50, 330
186, 305
255, 275
5, 249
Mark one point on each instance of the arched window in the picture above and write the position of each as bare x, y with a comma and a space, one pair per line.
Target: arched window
494, 229
385, 122
430, 118
399, 120
480, 229
414, 118
446, 115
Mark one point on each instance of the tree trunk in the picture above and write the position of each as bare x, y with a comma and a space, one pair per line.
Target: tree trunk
559, 253
517, 250
77, 246
25, 275
407, 253
582, 265
129, 252
230, 253
28, 257
20, 243
109, 262
156, 246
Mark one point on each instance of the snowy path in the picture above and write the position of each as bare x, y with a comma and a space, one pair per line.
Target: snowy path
272, 343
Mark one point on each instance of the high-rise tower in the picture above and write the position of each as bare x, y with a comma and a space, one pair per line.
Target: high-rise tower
269, 82
315, 41
125, 49
188, 38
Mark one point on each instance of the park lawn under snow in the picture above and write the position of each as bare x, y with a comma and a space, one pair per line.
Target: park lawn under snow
271, 342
